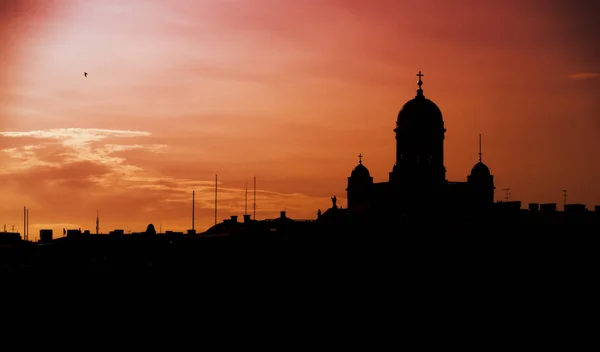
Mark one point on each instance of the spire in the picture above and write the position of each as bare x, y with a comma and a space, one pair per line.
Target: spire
480, 153
360, 158
420, 83
215, 199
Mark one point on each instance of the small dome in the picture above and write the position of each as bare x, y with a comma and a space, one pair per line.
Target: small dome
150, 229
360, 171
480, 169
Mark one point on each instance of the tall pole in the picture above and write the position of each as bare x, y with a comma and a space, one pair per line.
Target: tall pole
27, 237
193, 208
215, 199
97, 222
24, 222
246, 200
480, 148
254, 205
564, 197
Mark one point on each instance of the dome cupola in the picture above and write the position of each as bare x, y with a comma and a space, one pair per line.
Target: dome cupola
360, 171
480, 169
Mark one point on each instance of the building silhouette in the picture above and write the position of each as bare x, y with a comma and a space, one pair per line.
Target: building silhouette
416, 193
417, 182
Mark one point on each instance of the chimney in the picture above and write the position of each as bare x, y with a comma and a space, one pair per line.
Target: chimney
246, 218
234, 218
282, 214
575, 208
46, 235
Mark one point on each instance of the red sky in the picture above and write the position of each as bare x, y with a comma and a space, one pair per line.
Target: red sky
287, 91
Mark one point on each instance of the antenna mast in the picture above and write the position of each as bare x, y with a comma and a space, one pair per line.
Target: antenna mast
193, 208
564, 197
480, 147
215, 199
97, 223
25, 223
254, 205
246, 201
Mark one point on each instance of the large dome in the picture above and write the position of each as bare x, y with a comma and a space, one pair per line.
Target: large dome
480, 169
419, 110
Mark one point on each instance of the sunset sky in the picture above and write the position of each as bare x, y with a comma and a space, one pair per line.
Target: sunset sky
288, 91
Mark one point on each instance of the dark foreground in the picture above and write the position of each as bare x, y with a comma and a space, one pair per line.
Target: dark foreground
375, 252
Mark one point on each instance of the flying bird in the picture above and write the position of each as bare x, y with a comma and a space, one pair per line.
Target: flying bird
85, 74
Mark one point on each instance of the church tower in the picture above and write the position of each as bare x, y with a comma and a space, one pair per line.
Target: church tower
481, 184
360, 188
420, 137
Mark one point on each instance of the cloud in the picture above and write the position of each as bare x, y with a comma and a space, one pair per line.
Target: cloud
584, 75
49, 226
43, 150
26, 156
230, 199
66, 174
53, 180
79, 134
72, 145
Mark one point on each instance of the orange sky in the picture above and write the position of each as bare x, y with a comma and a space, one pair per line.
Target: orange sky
287, 91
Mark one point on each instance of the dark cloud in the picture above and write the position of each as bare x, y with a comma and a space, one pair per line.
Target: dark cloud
585, 75
576, 29
51, 179
19, 19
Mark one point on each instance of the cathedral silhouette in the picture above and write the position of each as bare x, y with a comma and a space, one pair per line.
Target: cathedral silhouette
417, 182
417, 201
